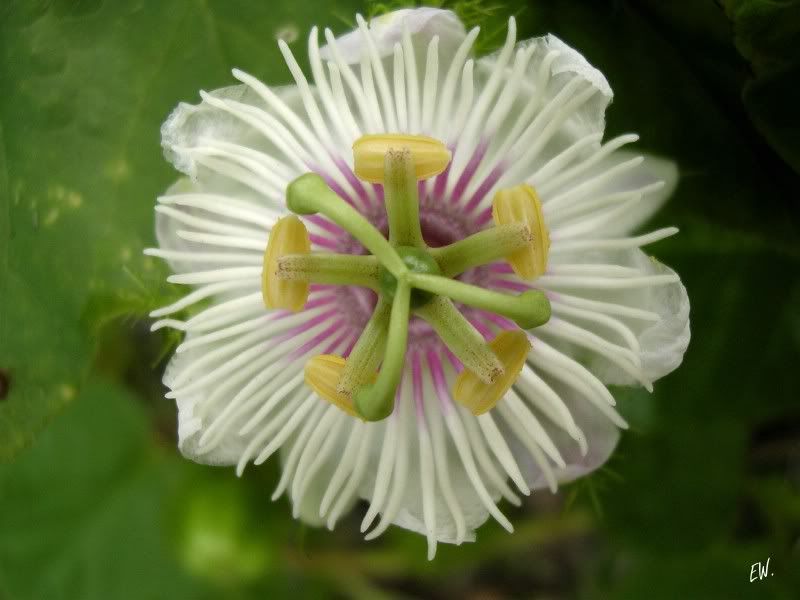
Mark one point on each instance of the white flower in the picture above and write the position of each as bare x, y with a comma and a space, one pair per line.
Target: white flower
531, 113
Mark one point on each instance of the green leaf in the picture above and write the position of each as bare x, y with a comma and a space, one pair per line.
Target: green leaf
765, 31
772, 100
86, 86
684, 471
83, 512
767, 34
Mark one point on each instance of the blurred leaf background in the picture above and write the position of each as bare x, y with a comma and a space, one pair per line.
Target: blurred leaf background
95, 501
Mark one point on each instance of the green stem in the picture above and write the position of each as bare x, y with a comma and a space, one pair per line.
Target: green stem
481, 248
376, 402
366, 354
309, 194
402, 199
330, 269
461, 338
528, 310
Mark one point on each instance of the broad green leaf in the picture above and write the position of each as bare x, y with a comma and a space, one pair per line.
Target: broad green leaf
767, 34
720, 575
684, 472
83, 513
86, 86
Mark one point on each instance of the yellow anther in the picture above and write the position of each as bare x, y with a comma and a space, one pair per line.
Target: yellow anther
288, 236
322, 374
521, 204
512, 348
431, 156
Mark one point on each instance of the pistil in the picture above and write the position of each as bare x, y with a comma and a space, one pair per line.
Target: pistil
417, 261
528, 310
309, 194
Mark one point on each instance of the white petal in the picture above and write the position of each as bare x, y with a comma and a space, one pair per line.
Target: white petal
185, 212
653, 169
664, 342
317, 464
235, 394
550, 99
536, 114
457, 506
387, 30
653, 177
234, 144
598, 431
659, 341
565, 67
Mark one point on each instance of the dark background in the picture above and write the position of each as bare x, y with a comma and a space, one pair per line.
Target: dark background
95, 501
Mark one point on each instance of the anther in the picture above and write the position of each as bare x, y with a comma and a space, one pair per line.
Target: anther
288, 237
512, 348
431, 156
521, 204
322, 374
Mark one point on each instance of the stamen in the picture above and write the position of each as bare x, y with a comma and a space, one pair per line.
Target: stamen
512, 348
289, 236
329, 269
431, 157
521, 204
309, 194
402, 198
461, 337
322, 374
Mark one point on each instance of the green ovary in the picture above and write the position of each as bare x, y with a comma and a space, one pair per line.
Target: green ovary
411, 279
417, 261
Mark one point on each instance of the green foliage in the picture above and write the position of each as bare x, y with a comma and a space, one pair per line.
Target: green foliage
87, 502
85, 87
767, 34
491, 17
215, 541
687, 483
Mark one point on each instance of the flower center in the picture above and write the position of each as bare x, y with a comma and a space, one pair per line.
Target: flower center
414, 273
442, 227
418, 261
